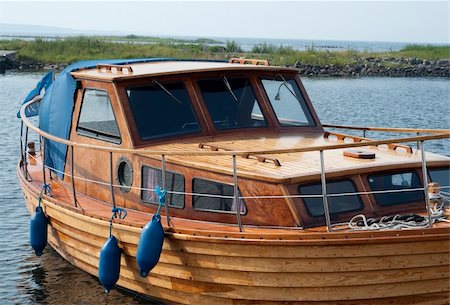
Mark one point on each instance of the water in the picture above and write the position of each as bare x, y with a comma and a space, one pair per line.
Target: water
49, 279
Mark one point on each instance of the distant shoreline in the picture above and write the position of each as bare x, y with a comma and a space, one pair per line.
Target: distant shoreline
411, 61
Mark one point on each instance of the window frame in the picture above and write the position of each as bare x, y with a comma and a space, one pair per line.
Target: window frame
216, 211
308, 114
335, 214
157, 203
105, 138
253, 88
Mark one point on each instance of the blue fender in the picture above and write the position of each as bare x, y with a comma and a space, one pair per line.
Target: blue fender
150, 245
38, 231
109, 266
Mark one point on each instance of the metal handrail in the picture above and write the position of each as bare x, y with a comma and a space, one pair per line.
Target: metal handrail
443, 134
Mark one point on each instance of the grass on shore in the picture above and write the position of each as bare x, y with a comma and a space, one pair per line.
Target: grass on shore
81, 48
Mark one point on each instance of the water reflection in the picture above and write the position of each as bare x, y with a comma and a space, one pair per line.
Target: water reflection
51, 280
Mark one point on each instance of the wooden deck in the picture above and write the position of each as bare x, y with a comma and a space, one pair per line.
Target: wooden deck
294, 166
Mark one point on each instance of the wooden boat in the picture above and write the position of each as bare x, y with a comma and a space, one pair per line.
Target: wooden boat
223, 137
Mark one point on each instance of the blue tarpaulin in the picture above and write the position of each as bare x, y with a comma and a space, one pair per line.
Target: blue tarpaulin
55, 114
44, 83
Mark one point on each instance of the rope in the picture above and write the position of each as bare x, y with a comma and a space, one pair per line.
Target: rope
395, 222
162, 200
118, 213
46, 189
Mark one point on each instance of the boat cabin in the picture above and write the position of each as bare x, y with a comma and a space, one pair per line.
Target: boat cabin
201, 106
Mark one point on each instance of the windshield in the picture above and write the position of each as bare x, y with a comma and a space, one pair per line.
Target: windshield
231, 103
287, 102
162, 110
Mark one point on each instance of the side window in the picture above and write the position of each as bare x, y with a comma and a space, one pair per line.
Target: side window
97, 118
152, 177
212, 203
287, 102
338, 204
396, 181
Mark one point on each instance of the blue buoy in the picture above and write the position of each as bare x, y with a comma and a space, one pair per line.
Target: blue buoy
109, 267
38, 231
150, 245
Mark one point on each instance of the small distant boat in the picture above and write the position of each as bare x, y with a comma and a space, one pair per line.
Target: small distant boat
206, 182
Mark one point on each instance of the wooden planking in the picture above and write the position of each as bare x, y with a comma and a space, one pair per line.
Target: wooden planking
287, 264
269, 279
196, 286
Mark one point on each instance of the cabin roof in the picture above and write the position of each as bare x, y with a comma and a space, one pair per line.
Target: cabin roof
294, 166
157, 68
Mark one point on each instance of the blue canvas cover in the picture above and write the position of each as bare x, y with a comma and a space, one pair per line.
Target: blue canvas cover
44, 83
55, 113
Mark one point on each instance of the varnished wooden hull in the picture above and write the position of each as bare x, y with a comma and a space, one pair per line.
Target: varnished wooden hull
411, 268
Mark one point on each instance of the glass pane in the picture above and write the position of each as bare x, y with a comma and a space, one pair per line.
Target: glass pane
442, 176
287, 102
97, 117
231, 103
218, 204
396, 181
162, 110
152, 177
336, 205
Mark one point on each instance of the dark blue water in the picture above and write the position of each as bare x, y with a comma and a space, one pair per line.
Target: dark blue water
26, 279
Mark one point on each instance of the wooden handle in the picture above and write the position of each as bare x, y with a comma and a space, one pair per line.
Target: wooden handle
119, 68
249, 61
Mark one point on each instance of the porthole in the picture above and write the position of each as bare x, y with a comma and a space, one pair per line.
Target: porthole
124, 174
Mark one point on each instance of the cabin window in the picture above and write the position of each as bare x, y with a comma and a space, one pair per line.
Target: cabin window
337, 204
396, 181
441, 176
97, 118
152, 177
287, 101
214, 204
231, 103
162, 110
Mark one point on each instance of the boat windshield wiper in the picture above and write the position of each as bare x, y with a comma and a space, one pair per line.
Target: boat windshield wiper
166, 91
227, 84
285, 83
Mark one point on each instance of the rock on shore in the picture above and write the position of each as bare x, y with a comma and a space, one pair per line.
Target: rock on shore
388, 66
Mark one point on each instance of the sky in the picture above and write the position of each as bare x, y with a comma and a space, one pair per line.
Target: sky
399, 21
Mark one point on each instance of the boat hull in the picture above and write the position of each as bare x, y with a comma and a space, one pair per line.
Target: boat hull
407, 268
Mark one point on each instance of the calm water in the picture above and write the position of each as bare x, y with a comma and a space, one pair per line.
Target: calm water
26, 279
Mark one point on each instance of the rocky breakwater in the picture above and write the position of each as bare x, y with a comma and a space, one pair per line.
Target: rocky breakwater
387, 66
